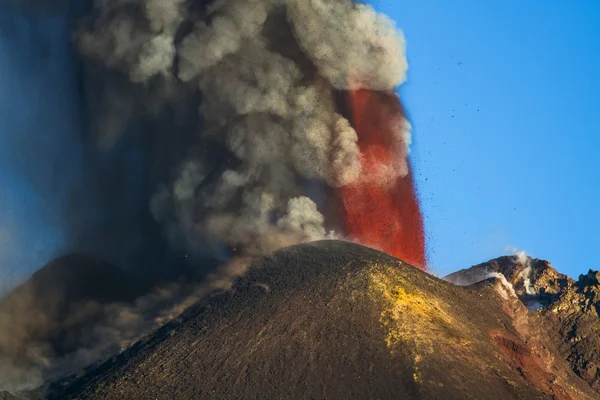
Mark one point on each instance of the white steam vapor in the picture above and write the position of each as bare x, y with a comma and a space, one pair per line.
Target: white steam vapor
525, 274
506, 289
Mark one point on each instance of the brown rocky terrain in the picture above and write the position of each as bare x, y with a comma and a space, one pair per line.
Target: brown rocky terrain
338, 320
568, 310
535, 281
574, 317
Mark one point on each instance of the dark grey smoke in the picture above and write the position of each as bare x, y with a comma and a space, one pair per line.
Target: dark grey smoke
91, 199
202, 129
77, 311
261, 77
87, 198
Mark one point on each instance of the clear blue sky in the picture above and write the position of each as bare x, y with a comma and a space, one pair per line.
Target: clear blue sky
504, 97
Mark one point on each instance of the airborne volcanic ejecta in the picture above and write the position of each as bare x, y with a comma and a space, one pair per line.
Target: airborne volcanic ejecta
264, 77
383, 210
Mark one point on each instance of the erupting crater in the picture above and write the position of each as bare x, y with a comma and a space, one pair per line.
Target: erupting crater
382, 208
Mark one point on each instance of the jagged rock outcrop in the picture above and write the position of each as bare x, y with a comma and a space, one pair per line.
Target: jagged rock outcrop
535, 281
568, 310
575, 317
337, 320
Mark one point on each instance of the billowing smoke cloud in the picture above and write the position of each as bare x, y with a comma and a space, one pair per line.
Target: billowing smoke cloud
75, 312
352, 45
525, 274
263, 76
216, 121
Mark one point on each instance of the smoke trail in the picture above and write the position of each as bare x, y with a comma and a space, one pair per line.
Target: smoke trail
64, 192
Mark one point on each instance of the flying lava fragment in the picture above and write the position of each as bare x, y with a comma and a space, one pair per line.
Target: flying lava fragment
379, 213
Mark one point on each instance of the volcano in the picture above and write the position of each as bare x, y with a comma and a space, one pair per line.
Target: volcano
333, 319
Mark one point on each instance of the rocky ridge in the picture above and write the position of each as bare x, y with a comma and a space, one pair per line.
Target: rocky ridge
337, 320
568, 310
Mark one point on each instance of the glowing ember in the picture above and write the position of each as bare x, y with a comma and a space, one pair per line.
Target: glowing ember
382, 210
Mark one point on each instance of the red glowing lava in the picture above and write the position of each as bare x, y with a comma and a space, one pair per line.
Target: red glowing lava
382, 209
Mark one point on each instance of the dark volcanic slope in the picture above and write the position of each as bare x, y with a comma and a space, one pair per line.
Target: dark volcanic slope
340, 321
54, 313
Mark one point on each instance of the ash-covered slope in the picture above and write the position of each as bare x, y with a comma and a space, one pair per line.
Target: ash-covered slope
570, 309
54, 314
337, 320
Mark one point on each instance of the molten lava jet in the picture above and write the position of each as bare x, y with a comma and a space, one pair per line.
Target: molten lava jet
382, 208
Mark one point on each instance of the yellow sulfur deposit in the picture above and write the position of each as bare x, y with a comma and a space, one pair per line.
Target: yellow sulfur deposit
409, 317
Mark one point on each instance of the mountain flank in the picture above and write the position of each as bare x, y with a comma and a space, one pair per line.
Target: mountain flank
334, 319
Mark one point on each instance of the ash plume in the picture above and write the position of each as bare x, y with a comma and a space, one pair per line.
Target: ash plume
75, 312
263, 77
213, 132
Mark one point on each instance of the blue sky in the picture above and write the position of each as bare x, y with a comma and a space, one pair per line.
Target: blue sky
38, 128
504, 98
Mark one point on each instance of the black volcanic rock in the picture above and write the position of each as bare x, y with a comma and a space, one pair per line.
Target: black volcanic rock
340, 321
55, 313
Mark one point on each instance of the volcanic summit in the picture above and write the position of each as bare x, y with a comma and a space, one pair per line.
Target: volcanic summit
337, 320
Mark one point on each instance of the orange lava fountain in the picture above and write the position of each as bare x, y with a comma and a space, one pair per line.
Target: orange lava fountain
379, 212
